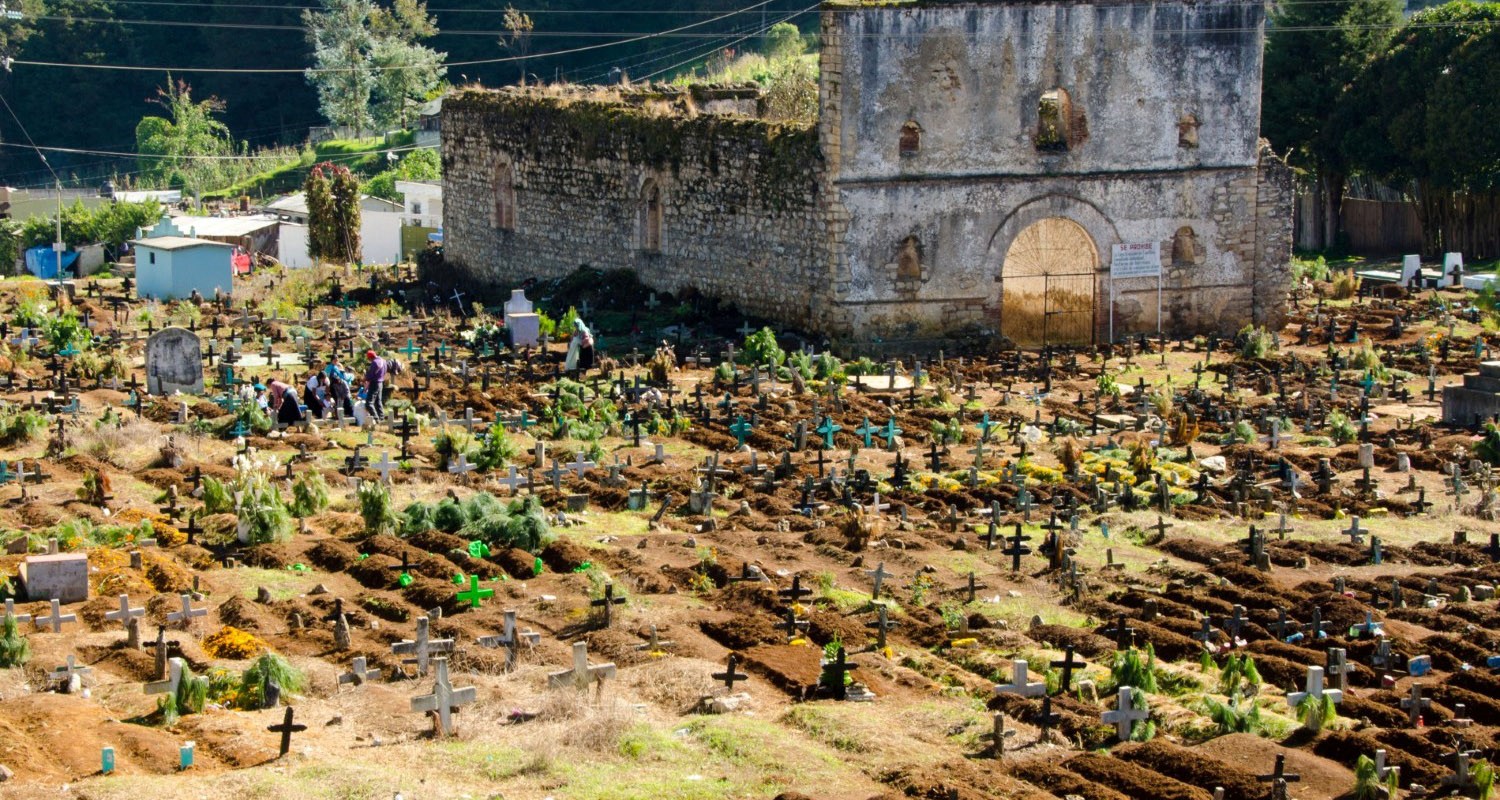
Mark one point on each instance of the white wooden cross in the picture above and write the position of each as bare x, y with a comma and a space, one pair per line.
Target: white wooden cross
185, 616
125, 613
580, 675
513, 481
462, 466
360, 673
511, 639
10, 611
444, 699
1313, 687
421, 647
384, 466
1125, 714
580, 465
175, 667
655, 644
56, 618
469, 420
64, 674
1018, 682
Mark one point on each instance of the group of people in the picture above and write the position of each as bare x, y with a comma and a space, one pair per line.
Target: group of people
328, 390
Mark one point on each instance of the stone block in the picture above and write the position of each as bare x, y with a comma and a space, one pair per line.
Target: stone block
63, 577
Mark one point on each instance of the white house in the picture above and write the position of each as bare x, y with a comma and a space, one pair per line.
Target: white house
424, 203
293, 207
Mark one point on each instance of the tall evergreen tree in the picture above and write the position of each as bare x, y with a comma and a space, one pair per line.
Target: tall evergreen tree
342, 48
1313, 52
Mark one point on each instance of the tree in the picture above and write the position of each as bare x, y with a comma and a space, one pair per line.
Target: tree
332, 213
1421, 117
783, 40
518, 28
406, 72
1313, 51
418, 165
185, 136
792, 91
342, 73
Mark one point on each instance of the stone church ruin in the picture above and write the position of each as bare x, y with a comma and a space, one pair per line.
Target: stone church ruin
974, 170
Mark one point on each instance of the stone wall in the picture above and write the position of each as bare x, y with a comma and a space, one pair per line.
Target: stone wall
932, 127
739, 209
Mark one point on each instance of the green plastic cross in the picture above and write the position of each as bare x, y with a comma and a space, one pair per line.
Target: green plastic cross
475, 594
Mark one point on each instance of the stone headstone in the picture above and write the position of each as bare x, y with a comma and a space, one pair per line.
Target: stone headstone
525, 326
63, 577
174, 362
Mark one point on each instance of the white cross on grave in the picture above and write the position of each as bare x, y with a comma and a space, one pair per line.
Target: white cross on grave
10, 611
125, 613
1313, 687
580, 675
513, 481
1018, 682
384, 466
422, 647
580, 465
185, 616
655, 644
510, 639
67, 672
1125, 714
444, 699
175, 667
462, 466
56, 618
359, 674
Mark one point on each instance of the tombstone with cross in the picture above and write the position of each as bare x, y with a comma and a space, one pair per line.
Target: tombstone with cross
1279, 778
1019, 684
444, 700
1126, 713
1314, 692
359, 673
511, 639
422, 647
581, 674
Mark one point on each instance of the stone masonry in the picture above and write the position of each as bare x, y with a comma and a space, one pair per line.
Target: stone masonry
954, 141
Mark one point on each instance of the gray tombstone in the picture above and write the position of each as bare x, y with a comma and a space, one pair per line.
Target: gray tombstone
174, 362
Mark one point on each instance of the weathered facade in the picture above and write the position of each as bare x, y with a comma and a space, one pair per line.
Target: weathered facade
973, 166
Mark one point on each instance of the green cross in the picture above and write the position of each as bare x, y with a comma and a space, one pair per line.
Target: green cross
347, 302
68, 351
740, 429
984, 425
410, 349
890, 431
828, 429
865, 431
525, 421
475, 594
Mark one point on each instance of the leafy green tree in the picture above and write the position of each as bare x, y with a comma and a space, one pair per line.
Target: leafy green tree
783, 40
517, 38
405, 71
188, 133
1313, 51
417, 165
342, 71
1422, 116
332, 213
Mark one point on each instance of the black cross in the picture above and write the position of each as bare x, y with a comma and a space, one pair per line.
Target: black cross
1068, 664
1279, 774
1048, 718
405, 566
729, 675
796, 592
836, 670
1123, 635
791, 624
286, 729
607, 602
1016, 547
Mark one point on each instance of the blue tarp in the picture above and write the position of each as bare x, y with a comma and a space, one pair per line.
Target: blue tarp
436, 237
41, 261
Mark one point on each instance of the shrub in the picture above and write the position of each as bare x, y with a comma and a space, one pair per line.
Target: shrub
15, 649
216, 497
1238, 669
417, 518
1346, 285
376, 508
1107, 386
495, 450
1316, 712
261, 509
1484, 779
1367, 784
18, 425
309, 494
257, 680
1234, 716
1340, 429
1255, 343
1488, 448
449, 516
761, 348
1136, 669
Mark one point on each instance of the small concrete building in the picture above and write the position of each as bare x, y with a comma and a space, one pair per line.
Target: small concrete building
171, 267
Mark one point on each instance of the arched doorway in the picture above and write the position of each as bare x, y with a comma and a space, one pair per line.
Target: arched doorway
1047, 285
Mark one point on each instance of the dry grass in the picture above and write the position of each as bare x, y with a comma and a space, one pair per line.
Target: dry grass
134, 446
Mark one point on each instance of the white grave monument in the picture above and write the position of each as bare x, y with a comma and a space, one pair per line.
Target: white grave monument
524, 325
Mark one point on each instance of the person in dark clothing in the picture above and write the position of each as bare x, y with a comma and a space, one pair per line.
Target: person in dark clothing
313, 394
375, 375
282, 399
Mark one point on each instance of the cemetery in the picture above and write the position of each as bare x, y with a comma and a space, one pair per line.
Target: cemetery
723, 561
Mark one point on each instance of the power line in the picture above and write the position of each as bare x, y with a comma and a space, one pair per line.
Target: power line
27, 134
702, 55
163, 157
318, 70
